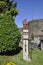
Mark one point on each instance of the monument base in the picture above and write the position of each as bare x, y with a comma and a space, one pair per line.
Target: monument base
28, 60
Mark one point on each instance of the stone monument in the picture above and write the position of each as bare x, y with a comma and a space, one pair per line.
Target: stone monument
25, 41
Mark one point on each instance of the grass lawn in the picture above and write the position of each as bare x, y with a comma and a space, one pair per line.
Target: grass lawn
37, 58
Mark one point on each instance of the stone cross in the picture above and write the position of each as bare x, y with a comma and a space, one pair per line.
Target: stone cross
25, 41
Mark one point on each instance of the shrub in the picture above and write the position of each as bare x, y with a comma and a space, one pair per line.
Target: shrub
9, 34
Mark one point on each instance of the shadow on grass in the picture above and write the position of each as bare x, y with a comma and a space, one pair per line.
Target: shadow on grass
11, 53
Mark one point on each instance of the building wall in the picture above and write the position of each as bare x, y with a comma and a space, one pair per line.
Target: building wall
36, 27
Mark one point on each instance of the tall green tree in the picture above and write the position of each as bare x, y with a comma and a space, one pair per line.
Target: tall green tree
9, 32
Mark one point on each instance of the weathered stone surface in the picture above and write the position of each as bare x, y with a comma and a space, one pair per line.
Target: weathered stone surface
36, 27
25, 49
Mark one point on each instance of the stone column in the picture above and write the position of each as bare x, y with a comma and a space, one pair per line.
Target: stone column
25, 41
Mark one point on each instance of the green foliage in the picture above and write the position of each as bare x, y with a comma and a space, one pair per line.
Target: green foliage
8, 5
2, 4
9, 33
14, 11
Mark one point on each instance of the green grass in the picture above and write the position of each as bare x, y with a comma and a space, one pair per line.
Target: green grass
37, 58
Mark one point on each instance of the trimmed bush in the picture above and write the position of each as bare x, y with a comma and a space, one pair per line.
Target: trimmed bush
9, 34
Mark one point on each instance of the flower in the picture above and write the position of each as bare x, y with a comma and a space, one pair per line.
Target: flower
11, 63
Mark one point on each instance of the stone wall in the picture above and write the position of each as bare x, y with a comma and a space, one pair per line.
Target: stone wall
36, 27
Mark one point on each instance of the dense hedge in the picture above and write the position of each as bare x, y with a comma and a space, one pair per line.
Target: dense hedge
9, 34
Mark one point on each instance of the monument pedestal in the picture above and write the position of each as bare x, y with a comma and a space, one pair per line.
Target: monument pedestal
25, 51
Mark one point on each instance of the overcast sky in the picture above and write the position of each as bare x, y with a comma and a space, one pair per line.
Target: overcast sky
29, 9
